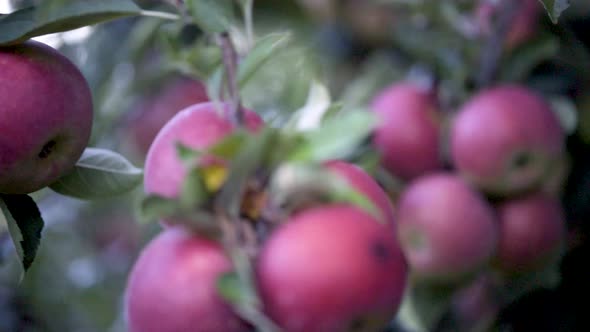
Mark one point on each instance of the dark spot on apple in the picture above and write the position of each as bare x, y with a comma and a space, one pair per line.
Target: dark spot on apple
47, 149
357, 325
522, 160
380, 251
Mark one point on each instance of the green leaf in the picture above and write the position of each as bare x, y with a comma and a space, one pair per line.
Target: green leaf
239, 289
231, 289
227, 148
199, 59
375, 74
310, 116
337, 138
290, 69
566, 111
524, 59
187, 154
262, 52
212, 15
99, 174
230, 145
555, 8
154, 207
36, 21
194, 191
547, 277
214, 84
24, 224
423, 305
295, 185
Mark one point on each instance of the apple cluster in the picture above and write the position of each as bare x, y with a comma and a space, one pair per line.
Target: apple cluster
322, 266
46, 116
480, 192
480, 185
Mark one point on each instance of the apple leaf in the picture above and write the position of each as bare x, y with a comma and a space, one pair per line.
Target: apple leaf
99, 173
423, 305
373, 75
153, 207
231, 289
194, 191
548, 277
310, 116
525, 58
239, 289
212, 15
262, 51
24, 224
337, 138
200, 58
566, 111
230, 145
227, 148
214, 84
35, 21
294, 185
555, 8
187, 154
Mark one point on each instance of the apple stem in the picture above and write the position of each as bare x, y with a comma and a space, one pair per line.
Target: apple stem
493, 48
230, 64
241, 244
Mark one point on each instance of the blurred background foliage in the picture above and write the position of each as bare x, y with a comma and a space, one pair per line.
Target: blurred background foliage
138, 67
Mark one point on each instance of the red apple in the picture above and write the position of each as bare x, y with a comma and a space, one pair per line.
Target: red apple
198, 127
152, 113
45, 116
524, 23
365, 184
475, 307
446, 229
408, 134
505, 139
532, 232
331, 268
173, 286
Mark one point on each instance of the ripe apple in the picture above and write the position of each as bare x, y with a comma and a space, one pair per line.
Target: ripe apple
365, 184
447, 230
475, 307
408, 134
198, 126
505, 139
331, 268
524, 23
532, 232
45, 116
152, 113
173, 286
